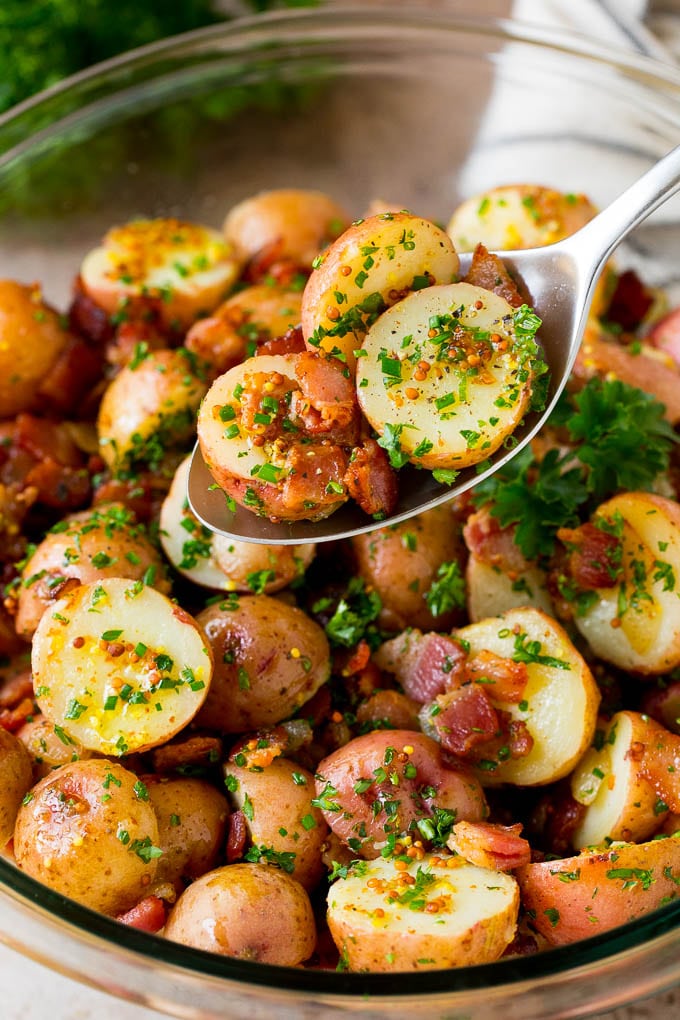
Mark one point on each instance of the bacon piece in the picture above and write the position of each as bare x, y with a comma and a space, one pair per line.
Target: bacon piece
630, 302
326, 403
130, 334
465, 721
314, 475
143, 494
499, 847
12, 719
237, 836
42, 438
195, 750
506, 679
488, 271
492, 544
594, 556
86, 318
70, 379
16, 688
516, 734
270, 263
62, 488
392, 707
562, 817
148, 915
422, 663
370, 479
292, 342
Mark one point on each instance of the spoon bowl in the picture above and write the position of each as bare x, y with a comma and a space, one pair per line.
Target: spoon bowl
559, 280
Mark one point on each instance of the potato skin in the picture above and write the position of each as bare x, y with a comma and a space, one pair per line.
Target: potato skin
250, 911
395, 766
281, 795
631, 879
192, 819
400, 563
47, 749
31, 340
276, 659
89, 546
78, 842
16, 777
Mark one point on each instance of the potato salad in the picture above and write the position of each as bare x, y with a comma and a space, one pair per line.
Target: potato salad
438, 744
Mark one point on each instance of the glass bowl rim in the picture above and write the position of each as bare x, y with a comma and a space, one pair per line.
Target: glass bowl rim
662, 925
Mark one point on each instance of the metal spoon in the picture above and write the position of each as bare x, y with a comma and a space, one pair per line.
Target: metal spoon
560, 280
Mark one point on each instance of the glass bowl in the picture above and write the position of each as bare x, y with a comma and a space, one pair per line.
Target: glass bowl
416, 108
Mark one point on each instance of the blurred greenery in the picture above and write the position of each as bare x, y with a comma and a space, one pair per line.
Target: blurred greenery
43, 41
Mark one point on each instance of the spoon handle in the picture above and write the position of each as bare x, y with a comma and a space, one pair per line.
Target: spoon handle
598, 239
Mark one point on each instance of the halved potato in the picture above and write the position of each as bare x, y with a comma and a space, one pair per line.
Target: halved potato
573, 898
119, 666
491, 591
636, 623
620, 802
557, 677
447, 375
370, 267
403, 914
188, 266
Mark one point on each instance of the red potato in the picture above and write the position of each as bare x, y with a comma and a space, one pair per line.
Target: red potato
379, 786
576, 897
16, 777
250, 911
192, 819
270, 658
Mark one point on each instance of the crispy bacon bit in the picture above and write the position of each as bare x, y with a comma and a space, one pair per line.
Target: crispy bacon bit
237, 836
354, 661
392, 707
291, 342
75, 372
506, 679
422, 664
270, 263
488, 271
326, 403
148, 915
516, 733
500, 847
594, 556
492, 544
195, 750
143, 494
16, 689
371, 480
523, 944
630, 302
314, 476
466, 720
86, 318
13, 719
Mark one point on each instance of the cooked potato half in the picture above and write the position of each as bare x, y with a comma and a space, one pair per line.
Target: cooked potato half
87, 831
402, 564
635, 624
518, 216
389, 784
621, 804
226, 564
150, 407
270, 658
86, 547
285, 828
447, 375
245, 319
370, 267
250, 911
557, 676
580, 896
187, 266
491, 591
248, 430
16, 776
421, 915
31, 340
119, 666
292, 224
192, 820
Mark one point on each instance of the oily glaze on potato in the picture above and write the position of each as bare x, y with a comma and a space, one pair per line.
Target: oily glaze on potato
635, 623
87, 831
446, 375
557, 676
215, 561
250, 911
631, 880
422, 914
381, 785
370, 267
401, 563
83, 548
276, 800
270, 658
151, 403
16, 776
49, 746
621, 803
192, 819
186, 266
31, 340
119, 666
